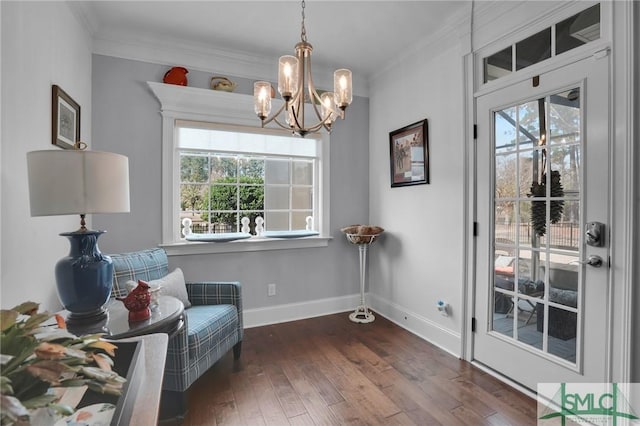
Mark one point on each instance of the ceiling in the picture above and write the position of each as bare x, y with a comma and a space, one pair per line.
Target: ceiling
360, 35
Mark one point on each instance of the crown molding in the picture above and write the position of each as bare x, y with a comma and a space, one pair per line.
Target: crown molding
517, 17
206, 58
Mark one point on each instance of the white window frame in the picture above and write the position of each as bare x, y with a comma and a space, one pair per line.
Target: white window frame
555, 15
229, 109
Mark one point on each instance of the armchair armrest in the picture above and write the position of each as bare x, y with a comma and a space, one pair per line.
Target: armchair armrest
216, 293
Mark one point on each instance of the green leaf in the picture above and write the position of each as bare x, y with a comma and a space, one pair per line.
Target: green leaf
105, 388
48, 371
7, 319
27, 308
40, 401
4, 358
36, 319
13, 408
25, 386
70, 383
5, 385
21, 348
62, 409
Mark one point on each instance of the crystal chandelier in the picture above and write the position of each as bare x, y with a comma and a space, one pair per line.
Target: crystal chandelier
296, 87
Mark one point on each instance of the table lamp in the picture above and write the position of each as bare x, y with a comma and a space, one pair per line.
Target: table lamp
63, 182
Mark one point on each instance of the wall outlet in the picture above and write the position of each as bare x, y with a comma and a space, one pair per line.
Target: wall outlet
443, 307
271, 289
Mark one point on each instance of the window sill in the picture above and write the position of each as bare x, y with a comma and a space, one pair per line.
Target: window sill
253, 244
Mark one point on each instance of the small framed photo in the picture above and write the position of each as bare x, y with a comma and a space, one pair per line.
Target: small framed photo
65, 119
409, 149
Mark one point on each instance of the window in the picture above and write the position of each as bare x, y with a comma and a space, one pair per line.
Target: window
229, 174
573, 32
211, 146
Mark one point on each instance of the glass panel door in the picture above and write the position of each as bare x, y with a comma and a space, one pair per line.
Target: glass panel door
537, 223
542, 174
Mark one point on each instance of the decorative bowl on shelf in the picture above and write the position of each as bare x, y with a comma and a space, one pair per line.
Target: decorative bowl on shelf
176, 75
223, 84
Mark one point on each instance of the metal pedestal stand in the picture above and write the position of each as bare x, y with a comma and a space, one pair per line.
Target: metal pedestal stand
362, 314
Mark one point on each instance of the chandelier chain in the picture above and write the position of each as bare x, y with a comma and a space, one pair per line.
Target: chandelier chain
303, 32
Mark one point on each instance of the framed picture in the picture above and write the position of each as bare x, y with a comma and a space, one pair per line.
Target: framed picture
65, 119
409, 157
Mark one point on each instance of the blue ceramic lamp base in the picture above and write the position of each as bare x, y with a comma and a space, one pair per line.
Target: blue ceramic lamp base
84, 277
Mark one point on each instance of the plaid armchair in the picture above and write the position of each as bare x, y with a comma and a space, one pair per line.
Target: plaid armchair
213, 323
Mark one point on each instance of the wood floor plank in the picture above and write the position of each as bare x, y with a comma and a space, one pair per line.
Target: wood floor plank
327, 390
248, 406
419, 406
316, 406
470, 397
350, 414
468, 417
403, 391
517, 407
400, 419
354, 385
302, 420
498, 419
518, 401
226, 414
268, 402
331, 371
288, 397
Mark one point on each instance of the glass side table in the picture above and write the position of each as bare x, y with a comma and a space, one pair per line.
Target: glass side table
167, 317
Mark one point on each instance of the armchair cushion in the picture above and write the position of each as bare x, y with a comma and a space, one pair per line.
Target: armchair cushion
210, 329
144, 265
173, 285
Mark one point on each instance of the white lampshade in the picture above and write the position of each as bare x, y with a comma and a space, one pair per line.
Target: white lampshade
77, 182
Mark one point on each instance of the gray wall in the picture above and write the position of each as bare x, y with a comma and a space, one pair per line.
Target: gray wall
126, 120
42, 44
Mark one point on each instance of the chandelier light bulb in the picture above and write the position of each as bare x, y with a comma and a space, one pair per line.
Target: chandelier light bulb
288, 77
342, 88
328, 107
262, 98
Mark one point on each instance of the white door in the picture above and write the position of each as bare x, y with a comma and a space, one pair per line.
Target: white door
541, 312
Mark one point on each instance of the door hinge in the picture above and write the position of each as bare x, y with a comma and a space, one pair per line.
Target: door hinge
475, 229
475, 131
473, 324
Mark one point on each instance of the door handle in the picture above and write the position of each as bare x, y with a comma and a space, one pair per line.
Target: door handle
593, 260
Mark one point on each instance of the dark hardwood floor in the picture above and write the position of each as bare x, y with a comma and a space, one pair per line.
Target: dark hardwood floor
330, 371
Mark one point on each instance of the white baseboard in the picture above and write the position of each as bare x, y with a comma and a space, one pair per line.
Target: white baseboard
444, 338
297, 311
422, 327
